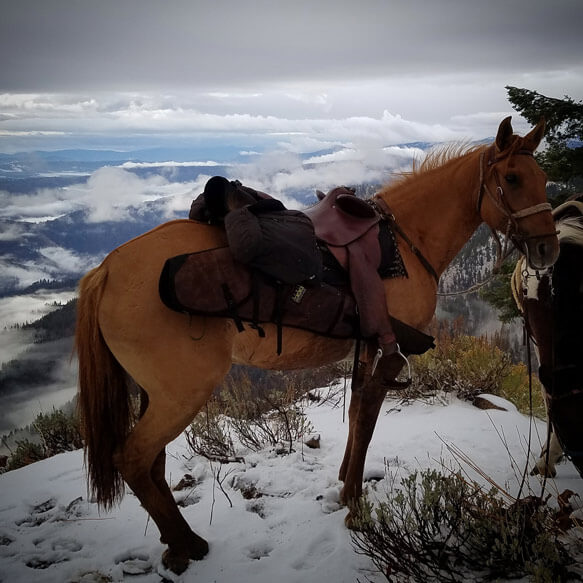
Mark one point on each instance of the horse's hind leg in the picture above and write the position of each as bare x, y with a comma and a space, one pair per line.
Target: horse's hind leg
158, 471
141, 462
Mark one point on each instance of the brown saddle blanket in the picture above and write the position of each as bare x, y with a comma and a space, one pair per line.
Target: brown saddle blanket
211, 283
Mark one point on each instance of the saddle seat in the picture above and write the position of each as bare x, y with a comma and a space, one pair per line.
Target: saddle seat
341, 217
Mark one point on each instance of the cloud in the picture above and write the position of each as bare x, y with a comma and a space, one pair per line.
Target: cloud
221, 44
162, 119
108, 195
284, 173
19, 275
110, 192
113, 193
11, 232
169, 164
331, 71
64, 261
43, 203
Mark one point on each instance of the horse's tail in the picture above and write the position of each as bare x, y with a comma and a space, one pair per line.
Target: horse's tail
104, 399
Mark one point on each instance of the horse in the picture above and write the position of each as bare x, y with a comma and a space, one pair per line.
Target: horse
551, 303
126, 336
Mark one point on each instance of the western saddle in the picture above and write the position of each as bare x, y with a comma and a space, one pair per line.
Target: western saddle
348, 226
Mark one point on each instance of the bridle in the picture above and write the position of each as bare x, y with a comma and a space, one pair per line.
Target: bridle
500, 200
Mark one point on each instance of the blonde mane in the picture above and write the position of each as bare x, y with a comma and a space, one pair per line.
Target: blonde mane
435, 158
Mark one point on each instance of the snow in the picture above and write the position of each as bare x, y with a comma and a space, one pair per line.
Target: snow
294, 532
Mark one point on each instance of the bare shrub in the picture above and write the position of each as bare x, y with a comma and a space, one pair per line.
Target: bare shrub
209, 434
273, 418
58, 432
464, 365
255, 418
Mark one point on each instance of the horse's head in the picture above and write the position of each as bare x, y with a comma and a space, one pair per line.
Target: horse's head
512, 197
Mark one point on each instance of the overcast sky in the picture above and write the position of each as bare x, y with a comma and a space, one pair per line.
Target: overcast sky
304, 73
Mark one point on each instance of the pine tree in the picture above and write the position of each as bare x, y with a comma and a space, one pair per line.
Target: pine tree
563, 159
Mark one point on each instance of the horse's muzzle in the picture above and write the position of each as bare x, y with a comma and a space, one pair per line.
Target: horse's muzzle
542, 252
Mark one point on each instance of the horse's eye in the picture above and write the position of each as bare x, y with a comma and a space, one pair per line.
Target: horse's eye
511, 178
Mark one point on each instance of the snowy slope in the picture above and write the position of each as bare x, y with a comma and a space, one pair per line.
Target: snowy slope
50, 532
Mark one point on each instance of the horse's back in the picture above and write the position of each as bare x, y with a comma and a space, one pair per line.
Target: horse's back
179, 236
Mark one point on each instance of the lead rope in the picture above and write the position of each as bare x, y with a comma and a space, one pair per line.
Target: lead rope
529, 441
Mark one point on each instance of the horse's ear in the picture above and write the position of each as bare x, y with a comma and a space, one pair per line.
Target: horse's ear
505, 131
534, 137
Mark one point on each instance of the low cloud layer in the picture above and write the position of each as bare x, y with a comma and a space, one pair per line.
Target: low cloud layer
108, 195
112, 193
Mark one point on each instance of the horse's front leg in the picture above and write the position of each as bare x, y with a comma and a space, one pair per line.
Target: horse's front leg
355, 395
365, 406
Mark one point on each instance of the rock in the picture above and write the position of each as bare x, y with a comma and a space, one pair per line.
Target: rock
187, 482
488, 402
313, 442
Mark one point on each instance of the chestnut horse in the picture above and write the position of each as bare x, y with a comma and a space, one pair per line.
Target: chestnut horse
126, 336
551, 302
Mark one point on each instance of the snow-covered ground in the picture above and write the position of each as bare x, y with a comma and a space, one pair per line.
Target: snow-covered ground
294, 532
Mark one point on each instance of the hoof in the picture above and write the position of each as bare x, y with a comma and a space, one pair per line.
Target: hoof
199, 549
174, 562
177, 561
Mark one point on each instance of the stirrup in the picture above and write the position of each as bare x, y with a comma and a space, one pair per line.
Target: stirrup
409, 378
398, 352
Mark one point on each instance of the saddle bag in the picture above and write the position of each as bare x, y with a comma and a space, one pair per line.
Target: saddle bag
210, 283
278, 242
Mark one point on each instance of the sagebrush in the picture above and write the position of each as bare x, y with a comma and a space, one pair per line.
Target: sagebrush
443, 528
469, 365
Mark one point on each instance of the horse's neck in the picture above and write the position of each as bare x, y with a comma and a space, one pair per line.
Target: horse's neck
437, 209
